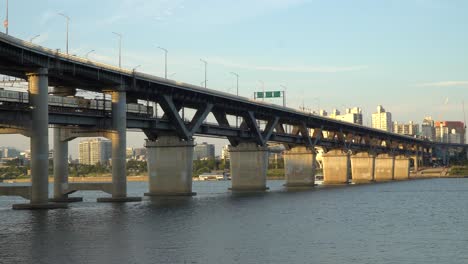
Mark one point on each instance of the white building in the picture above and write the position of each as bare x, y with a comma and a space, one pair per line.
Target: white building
382, 120
351, 115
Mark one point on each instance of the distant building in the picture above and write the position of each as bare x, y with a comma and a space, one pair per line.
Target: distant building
7, 152
204, 151
450, 132
351, 115
410, 129
382, 120
129, 154
225, 153
428, 129
95, 151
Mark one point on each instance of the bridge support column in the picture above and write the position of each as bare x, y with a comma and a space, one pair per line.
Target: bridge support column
384, 167
299, 167
362, 167
336, 167
61, 170
170, 164
38, 99
402, 168
415, 162
119, 140
249, 165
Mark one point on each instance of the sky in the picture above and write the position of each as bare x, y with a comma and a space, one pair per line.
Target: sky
410, 56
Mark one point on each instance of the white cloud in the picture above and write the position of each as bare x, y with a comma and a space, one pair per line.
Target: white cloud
444, 84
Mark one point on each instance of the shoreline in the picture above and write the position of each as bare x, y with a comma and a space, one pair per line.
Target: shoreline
141, 178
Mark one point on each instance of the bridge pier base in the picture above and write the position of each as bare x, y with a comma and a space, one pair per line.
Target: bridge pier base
170, 164
119, 147
249, 164
362, 167
336, 167
61, 170
384, 167
38, 99
299, 167
402, 168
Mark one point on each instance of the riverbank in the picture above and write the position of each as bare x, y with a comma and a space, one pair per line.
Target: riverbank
107, 178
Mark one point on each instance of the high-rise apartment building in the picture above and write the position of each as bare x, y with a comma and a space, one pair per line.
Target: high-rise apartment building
382, 119
410, 129
95, 151
428, 129
225, 153
204, 151
450, 132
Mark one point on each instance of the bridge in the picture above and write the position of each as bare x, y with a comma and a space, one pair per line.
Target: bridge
365, 153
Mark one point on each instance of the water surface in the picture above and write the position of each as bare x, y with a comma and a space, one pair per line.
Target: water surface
420, 221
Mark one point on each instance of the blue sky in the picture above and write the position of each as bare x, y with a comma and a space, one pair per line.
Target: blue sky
408, 55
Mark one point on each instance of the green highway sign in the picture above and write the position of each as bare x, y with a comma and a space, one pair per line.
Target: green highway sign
269, 94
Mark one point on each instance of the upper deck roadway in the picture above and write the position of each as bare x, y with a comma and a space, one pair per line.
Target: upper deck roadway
18, 57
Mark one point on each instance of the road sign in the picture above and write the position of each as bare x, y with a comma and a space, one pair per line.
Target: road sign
268, 94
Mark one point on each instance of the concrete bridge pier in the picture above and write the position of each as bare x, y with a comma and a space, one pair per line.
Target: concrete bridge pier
38, 99
336, 167
61, 170
384, 167
170, 164
362, 167
299, 167
119, 140
402, 167
249, 165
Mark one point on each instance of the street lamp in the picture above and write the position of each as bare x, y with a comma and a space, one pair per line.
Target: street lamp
68, 22
136, 67
206, 65
237, 87
263, 90
33, 38
89, 52
165, 61
120, 47
5, 23
237, 93
284, 95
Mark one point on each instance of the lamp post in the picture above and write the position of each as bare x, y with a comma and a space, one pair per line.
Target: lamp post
284, 95
237, 93
263, 90
89, 52
165, 61
5, 23
206, 65
136, 67
68, 22
33, 38
120, 47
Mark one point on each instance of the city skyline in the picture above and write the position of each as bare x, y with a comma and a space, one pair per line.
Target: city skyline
397, 52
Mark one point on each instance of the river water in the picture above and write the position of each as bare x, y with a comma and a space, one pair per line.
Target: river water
420, 221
